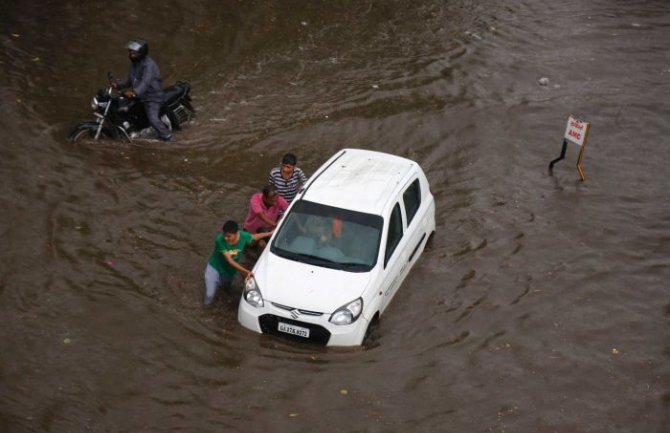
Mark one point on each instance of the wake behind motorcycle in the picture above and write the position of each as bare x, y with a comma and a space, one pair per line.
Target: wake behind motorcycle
119, 117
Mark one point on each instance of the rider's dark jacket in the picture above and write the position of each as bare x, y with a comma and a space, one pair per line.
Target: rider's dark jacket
145, 79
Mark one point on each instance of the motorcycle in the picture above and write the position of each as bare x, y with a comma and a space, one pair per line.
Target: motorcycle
119, 117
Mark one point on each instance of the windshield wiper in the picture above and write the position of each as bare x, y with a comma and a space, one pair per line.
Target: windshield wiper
295, 255
317, 260
355, 265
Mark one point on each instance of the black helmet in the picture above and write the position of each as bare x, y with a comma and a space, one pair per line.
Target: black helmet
140, 46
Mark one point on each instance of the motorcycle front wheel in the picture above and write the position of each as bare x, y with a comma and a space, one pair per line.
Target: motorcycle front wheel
87, 132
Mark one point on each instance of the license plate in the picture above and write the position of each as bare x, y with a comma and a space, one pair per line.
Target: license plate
293, 330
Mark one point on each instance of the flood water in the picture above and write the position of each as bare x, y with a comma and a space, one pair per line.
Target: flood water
541, 305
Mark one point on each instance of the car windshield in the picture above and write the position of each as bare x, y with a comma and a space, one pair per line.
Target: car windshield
330, 237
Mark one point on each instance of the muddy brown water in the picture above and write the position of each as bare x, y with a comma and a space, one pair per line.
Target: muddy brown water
541, 305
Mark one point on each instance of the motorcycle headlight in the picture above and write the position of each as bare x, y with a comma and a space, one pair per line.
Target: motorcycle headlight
252, 293
95, 104
348, 313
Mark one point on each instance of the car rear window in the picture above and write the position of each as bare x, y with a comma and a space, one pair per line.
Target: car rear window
412, 200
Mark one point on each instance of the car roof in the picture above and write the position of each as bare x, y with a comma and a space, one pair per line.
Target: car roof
360, 180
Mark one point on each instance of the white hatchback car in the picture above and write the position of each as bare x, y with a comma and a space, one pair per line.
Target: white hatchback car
342, 250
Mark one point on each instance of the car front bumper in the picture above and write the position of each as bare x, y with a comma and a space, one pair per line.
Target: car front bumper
267, 318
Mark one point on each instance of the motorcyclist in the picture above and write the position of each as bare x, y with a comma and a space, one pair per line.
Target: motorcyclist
144, 82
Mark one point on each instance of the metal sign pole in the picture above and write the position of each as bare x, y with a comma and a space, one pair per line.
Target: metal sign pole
563, 149
581, 153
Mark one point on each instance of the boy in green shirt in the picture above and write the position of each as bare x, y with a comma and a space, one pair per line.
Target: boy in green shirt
224, 262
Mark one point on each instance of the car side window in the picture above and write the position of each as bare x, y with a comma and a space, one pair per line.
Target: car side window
394, 233
412, 200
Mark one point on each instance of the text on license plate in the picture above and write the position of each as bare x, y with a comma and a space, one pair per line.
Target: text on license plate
293, 330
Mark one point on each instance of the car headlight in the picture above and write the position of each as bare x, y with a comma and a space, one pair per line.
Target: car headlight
252, 293
348, 313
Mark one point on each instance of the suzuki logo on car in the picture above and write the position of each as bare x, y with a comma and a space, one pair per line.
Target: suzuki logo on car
295, 313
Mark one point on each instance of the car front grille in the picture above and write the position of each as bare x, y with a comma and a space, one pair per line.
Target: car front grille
317, 334
305, 312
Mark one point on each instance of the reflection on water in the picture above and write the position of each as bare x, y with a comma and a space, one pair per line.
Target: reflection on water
540, 304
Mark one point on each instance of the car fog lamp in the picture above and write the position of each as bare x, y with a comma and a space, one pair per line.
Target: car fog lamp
348, 313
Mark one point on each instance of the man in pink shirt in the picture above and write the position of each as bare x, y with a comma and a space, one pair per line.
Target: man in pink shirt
265, 209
